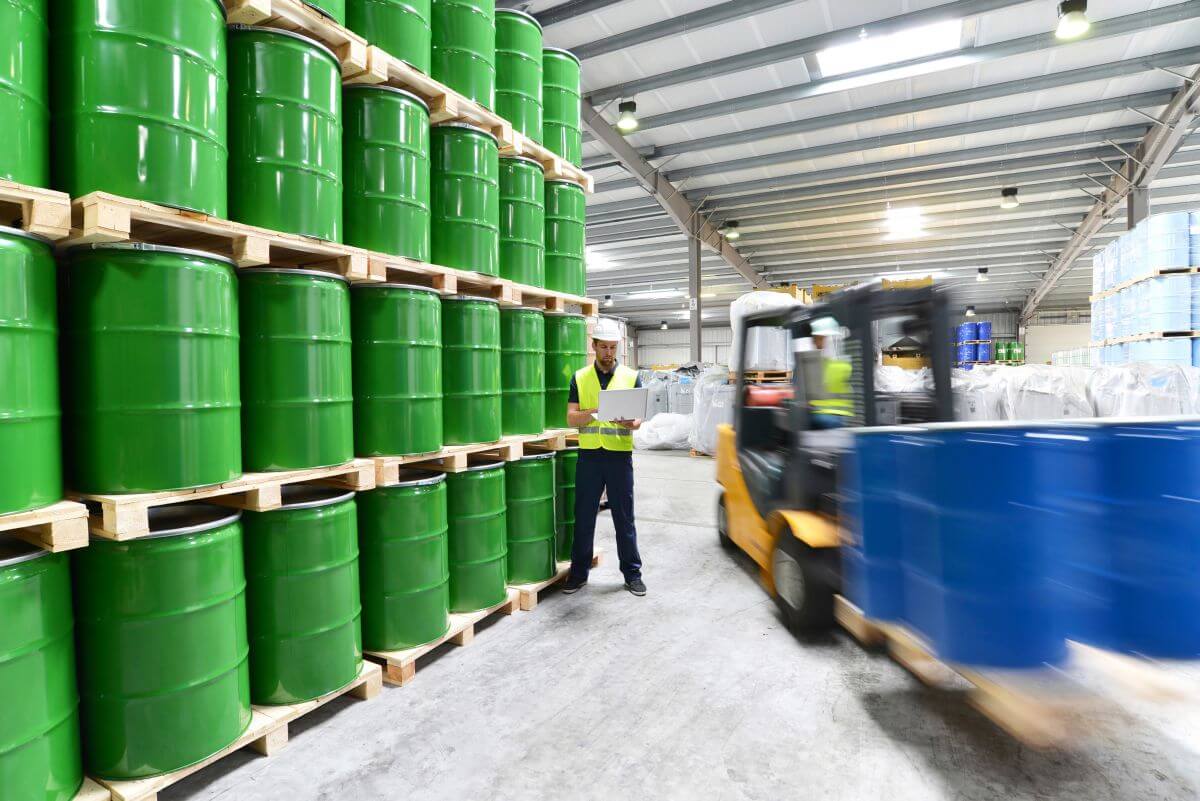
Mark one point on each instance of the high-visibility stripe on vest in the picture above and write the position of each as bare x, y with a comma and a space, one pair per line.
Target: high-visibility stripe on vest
603, 433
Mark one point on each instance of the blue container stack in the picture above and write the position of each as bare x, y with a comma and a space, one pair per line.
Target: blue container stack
969, 339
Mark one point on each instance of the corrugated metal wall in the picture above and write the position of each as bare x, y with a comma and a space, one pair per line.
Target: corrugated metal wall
672, 346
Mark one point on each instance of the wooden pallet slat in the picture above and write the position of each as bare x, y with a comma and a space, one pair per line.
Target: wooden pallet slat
59, 527
1156, 272
296, 16
91, 791
40, 211
457, 458
528, 593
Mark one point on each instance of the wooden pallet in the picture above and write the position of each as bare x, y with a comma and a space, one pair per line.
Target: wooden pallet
266, 734
765, 376
1040, 711
90, 791
1147, 337
295, 16
457, 458
1157, 272
101, 217
44, 212
125, 517
61, 526
528, 593
401, 666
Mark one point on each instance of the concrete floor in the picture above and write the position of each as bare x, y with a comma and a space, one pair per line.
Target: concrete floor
693, 692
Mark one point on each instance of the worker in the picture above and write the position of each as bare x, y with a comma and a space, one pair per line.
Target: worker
834, 409
605, 461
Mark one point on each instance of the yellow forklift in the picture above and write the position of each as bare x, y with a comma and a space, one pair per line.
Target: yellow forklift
778, 463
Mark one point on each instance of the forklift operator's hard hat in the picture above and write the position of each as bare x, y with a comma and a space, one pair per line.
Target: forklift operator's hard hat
607, 330
825, 326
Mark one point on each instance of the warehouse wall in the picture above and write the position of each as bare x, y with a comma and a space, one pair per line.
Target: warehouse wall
671, 346
1042, 340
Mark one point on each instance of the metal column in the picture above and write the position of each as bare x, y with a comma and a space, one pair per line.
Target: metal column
695, 318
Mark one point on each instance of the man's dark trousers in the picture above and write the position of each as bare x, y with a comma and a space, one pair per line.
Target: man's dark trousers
596, 471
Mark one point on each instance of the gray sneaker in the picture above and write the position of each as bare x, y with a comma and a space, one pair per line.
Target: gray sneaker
571, 585
636, 586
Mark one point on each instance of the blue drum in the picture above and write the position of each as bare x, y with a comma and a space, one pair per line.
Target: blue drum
983, 330
1168, 240
968, 332
871, 514
983, 352
920, 560
968, 353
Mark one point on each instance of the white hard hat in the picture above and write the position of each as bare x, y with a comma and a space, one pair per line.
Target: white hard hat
607, 330
825, 326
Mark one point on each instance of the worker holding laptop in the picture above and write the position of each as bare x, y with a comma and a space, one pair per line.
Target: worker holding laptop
606, 414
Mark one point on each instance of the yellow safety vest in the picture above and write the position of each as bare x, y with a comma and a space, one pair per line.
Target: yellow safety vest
837, 383
603, 433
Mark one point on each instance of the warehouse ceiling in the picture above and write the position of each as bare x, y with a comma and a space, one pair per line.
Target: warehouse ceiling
779, 115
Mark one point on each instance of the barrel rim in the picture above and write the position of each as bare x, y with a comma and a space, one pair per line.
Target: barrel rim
580, 315
565, 52
354, 87
337, 496
514, 157
296, 271
10, 231
23, 551
427, 479
569, 448
516, 12
477, 468
467, 125
541, 457
291, 34
393, 285
149, 248
229, 516
471, 297
566, 181
513, 309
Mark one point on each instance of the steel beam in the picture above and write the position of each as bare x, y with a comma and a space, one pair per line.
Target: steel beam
570, 10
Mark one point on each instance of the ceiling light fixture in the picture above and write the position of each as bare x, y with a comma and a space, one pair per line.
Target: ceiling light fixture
982, 275
731, 231
1008, 198
970, 311
627, 122
1072, 19
905, 223
608, 301
890, 48
656, 294
663, 325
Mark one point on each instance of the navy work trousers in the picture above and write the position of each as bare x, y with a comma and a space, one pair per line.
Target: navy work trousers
595, 472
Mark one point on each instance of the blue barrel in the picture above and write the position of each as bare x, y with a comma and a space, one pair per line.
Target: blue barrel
968, 353
983, 330
1164, 304
1168, 240
983, 352
968, 332
871, 509
1194, 230
1161, 352
917, 521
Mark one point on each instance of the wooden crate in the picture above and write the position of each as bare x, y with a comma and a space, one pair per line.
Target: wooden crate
401, 666
125, 517
266, 734
61, 526
528, 593
457, 458
296, 16
44, 212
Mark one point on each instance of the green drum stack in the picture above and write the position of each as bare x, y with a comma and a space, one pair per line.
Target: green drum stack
566, 352
297, 398
302, 595
564, 506
39, 727
167, 682
139, 109
334, 9
523, 371
471, 389
478, 537
285, 133
405, 564
400, 27
1016, 351
150, 352
30, 445
562, 130
522, 221
999, 351
519, 71
566, 219
386, 155
397, 369
465, 198
464, 48
529, 488
24, 92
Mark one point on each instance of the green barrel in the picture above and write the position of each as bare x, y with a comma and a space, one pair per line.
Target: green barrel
30, 445
285, 133
401, 27
566, 218
529, 493
522, 221
465, 198
464, 48
405, 567
471, 388
1016, 351
139, 100
566, 352
24, 92
334, 9
130, 312
565, 462
999, 351
39, 727
302, 602
386, 153
297, 397
562, 130
523, 371
519, 71
397, 369
475, 501
161, 624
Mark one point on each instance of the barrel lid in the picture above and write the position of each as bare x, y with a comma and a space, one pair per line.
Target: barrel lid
13, 551
290, 34
468, 126
537, 456
189, 518
142, 246
475, 468
419, 478
564, 52
516, 12
298, 271
354, 87
565, 182
7, 231
534, 162
391, 285
307, 496
471, 297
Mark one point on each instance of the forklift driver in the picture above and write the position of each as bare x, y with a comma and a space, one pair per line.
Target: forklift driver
833, 409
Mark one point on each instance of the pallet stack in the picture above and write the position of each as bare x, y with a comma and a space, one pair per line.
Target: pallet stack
324, 274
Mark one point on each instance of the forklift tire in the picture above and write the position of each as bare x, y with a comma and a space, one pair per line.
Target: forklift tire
802, 588
723, 524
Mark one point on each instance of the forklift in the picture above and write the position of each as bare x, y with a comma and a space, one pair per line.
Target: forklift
778, 463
